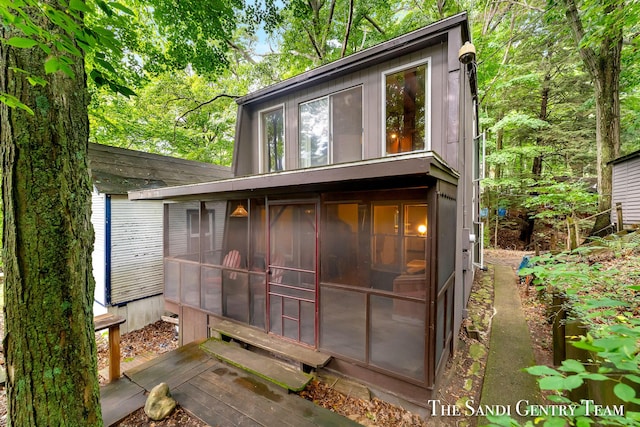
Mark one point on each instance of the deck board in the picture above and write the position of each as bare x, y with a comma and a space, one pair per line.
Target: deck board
280, 374
174, 370
217, 393
120, 398
262, 340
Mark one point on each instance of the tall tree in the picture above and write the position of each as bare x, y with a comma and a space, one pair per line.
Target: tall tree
49, 341
599, 30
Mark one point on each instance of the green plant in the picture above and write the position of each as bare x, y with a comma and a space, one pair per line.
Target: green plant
604, 296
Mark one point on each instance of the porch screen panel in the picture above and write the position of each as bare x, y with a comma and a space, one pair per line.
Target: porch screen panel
397, 336
183, 231
339, 308
446, 239
346, 116
339, 244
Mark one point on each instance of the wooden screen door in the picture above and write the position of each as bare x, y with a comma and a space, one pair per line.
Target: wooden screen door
292, 285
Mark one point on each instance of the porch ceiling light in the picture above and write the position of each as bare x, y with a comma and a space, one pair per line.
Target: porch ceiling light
240, 212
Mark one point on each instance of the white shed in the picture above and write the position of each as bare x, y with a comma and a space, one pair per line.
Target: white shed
128, 247
626, 188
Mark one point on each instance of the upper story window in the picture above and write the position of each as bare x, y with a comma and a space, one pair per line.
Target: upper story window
330, 129
272, 138
406, 108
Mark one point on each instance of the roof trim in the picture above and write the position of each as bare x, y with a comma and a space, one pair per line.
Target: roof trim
625, 158
425, 164
414, 40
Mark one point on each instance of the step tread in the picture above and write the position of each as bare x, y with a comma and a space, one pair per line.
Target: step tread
267, 342
264, 367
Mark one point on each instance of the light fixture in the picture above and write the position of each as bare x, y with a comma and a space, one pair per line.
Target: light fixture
467, 53
240, 212
422, 229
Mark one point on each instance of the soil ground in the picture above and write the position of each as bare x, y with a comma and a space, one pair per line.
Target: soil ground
461, 381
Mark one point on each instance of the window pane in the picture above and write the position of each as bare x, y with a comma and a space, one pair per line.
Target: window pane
347, 125
314, 133
406, 110
273, 134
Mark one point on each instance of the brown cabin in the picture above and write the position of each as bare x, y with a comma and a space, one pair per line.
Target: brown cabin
348, 225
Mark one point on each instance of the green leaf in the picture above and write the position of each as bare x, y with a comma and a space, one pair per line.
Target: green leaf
121, 8
13, 102
595, 377
51, 65
586, 346
106, 9
551, 383
554, 422
79, 5
35, 81
634, 378
573, 382
21, 42
583, 422
635, 287
571, 365
624, 392
541, 370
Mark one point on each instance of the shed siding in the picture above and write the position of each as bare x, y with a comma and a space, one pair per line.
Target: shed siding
98, 220
626, 190
136, 249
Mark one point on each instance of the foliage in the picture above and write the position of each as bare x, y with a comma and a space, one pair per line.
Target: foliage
606, 299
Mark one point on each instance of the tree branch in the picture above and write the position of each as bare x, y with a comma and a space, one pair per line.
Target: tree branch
372, 22
242, 52
587, 54
197, 107
348, 30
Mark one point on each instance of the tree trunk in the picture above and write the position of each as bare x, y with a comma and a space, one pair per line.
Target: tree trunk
536, 168
603, 65
49, 340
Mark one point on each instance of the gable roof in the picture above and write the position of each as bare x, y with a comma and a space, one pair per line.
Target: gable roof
406, 43
118, 170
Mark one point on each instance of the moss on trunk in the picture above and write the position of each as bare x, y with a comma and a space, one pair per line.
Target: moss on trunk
49, 340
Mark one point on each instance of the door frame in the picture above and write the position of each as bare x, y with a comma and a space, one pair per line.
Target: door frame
315, 201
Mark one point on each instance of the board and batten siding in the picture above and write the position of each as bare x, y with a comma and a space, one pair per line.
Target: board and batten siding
626, 190
98, 215
136, 249
371, 82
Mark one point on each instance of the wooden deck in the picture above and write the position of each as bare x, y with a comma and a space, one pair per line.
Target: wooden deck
217, 393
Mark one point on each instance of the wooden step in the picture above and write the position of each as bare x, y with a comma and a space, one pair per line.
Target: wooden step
264, 367
271, 344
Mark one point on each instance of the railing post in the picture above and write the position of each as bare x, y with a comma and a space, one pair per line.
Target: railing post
619, 215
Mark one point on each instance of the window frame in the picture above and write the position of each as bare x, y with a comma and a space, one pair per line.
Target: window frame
428, 111
263, 156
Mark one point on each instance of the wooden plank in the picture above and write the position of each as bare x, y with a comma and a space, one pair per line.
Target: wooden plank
261, 410
119, 399
259, 339
266, 405
107, 320
182, 365
271, 370
209, 408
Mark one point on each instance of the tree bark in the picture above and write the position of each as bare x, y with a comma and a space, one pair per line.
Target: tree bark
46, 191
603, 66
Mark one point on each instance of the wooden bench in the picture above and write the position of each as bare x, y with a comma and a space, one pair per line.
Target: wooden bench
112, 322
